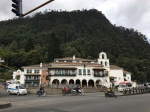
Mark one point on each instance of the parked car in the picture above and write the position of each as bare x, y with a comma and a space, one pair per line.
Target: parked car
16, 89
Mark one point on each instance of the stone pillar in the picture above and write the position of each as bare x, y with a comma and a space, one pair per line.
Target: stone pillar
87, 85
74, 82
50, 84
80, 84
95, 85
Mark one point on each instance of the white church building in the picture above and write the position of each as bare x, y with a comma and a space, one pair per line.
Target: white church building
73, 70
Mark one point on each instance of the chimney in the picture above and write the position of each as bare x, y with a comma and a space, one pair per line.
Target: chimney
74, 57
40, 64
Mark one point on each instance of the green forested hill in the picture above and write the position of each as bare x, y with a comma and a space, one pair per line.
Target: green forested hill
55, 34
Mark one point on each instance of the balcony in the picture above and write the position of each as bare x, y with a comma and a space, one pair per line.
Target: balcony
95, 75
30, 80
63, 75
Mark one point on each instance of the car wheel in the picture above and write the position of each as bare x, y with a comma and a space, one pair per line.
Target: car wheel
18, 94
9, 92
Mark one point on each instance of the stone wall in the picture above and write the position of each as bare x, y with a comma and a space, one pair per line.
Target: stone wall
53, 91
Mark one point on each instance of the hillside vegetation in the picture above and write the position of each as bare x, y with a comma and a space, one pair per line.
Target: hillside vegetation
84, 33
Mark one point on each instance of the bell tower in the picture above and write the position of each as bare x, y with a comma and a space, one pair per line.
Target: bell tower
103, 60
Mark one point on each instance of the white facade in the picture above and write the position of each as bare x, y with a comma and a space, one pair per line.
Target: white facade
103, 60
19, 76
118, 76
32, 75
72, 70
88, 77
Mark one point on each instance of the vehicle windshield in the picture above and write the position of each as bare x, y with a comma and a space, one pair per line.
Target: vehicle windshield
21, 87
122, 86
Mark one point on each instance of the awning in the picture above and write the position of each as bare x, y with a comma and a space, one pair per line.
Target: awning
125, 82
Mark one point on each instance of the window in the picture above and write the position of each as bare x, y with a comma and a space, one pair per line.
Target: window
124, 75
105, 63
36, 71
18, 77
103, 56
84, 71
101, 63
101, 73
80, 72
56, 71
21, 87
29, 71
88, 71
73, 72
105, 73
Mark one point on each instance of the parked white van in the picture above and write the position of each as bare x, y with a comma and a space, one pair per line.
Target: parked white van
18, 89
124, 85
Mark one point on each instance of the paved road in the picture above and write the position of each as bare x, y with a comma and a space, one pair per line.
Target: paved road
91, 102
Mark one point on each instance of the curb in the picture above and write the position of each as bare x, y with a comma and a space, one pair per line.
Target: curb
4, 105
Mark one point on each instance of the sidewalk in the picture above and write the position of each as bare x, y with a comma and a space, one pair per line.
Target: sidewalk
4, 104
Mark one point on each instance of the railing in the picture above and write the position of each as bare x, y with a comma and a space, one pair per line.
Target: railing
31, 80
138, 90
98, 75
55, 75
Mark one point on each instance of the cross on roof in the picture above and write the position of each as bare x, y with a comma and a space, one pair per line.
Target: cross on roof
1, 60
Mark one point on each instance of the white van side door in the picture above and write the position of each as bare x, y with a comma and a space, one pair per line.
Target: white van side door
16, 89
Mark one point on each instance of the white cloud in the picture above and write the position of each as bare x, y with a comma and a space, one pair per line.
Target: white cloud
128, 13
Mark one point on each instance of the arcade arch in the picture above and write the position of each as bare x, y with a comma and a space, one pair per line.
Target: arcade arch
64, 81
78, 82
90, 83
55, 81
84, 83
71, 81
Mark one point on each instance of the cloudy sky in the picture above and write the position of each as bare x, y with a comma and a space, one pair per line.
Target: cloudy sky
128, 13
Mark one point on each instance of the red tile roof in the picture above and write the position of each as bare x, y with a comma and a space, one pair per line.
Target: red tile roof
114, 67
126, 72
76, 59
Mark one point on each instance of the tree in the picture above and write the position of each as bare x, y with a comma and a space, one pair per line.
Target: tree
69, 51
53, 47
29, 45
13, 46
33, 57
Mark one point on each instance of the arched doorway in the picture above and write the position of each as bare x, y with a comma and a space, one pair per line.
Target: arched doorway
64, 82
91, 83
55, 83
84, 83
98, 83
71, 81
78, 82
